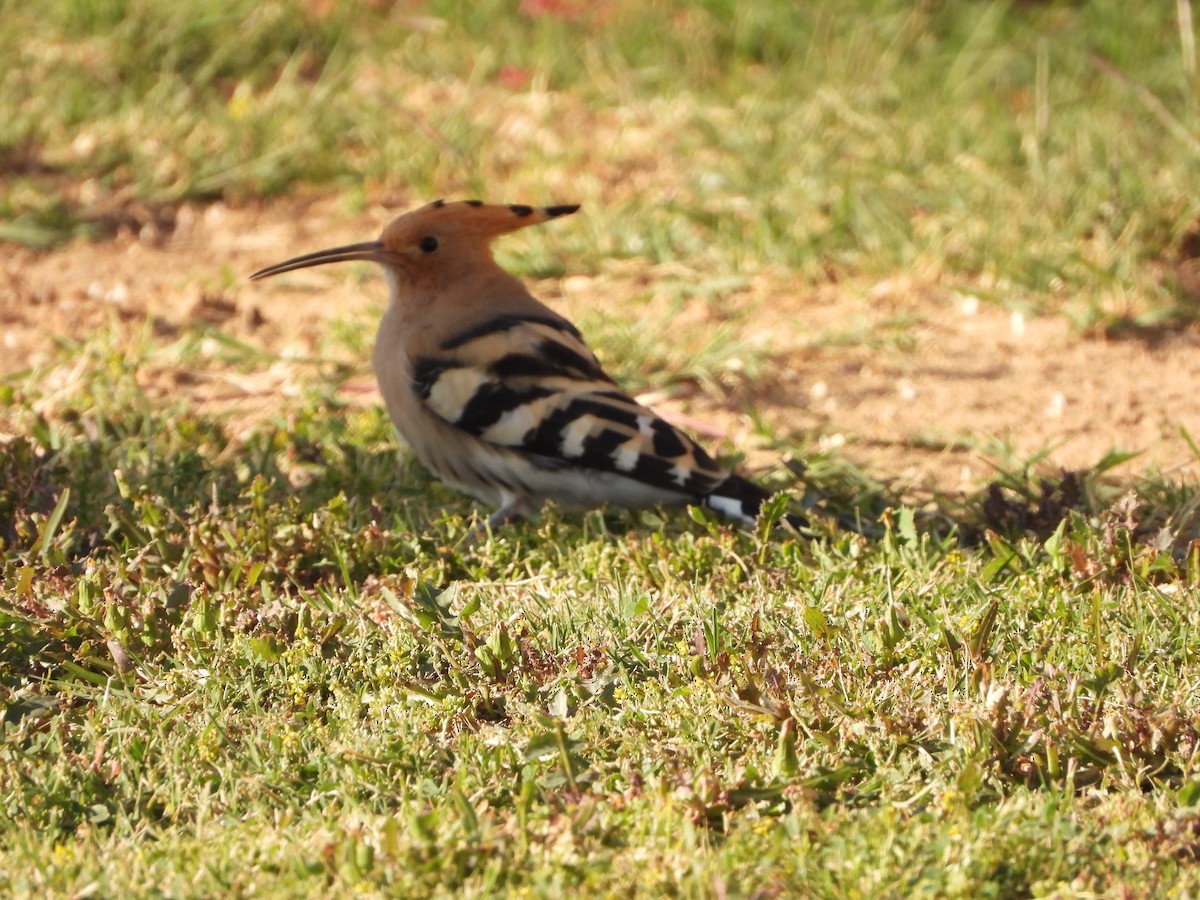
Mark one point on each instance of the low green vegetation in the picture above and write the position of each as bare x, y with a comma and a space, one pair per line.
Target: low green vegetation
268, 663
273, 666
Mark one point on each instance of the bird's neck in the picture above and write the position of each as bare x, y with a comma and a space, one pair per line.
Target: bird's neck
479, 282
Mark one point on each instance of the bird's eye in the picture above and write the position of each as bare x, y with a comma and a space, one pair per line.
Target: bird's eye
428, 244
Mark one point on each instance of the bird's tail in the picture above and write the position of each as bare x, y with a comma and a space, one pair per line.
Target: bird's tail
741, 499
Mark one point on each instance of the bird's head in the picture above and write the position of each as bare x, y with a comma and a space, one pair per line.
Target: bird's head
432, 242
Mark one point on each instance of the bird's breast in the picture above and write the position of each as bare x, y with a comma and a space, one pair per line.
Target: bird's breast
393, 364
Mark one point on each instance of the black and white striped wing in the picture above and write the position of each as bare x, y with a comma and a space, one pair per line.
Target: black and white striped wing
531, 385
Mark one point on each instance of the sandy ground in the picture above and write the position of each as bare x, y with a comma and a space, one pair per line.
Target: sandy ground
921, 403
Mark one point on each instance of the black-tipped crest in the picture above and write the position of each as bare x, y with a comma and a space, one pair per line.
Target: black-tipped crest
467, 217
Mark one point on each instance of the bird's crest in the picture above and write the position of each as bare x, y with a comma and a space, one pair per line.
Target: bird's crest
473, 217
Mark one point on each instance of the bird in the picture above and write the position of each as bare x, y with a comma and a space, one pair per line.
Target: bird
499, 396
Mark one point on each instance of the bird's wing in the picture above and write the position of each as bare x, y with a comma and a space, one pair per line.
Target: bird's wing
530, 384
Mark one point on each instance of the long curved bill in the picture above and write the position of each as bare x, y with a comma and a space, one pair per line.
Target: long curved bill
370, 251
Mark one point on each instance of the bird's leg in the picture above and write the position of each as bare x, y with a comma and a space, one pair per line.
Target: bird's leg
511, 510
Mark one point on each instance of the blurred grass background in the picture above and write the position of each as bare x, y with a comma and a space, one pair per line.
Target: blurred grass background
1044, 152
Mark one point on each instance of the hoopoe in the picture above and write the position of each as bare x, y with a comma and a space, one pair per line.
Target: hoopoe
498, 395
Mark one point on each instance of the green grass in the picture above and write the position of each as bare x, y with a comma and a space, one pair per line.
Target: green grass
268, 665
1039, 154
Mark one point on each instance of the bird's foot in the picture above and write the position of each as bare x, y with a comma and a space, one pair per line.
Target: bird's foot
509, 512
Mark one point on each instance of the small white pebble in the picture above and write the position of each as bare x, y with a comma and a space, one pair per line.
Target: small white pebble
968, 304
84, 145
996, 694
89, 191
1057, 405
819, 390
1016, 324
906, 390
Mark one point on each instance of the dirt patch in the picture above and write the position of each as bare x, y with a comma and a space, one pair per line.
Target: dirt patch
919, 383
193, 275
957, 382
